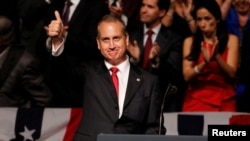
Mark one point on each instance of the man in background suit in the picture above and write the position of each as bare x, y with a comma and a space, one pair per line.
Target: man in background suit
136, 109
78, 42
21, 83
165, 59
32, 15
128, 11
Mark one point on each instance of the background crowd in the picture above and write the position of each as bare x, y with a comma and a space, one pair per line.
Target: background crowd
199, 50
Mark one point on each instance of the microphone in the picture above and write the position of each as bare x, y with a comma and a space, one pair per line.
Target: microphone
171, 89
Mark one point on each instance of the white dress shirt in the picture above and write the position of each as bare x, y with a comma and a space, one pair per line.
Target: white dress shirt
72, 7
122, 75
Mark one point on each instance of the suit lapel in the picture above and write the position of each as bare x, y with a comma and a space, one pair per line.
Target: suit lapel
80, 8
163, 40
140, 40
105, 75
134, 81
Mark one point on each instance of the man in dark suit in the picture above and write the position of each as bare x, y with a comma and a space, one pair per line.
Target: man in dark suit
165, 55
128, 11
131, 108
78, 41
32, 16
21, 84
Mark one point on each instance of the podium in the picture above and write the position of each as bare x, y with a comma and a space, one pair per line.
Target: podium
132, 137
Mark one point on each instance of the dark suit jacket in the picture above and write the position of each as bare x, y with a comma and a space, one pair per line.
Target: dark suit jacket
80, 44
81, 39
170, 67
32, 16
100, 111
21, 84
142, 104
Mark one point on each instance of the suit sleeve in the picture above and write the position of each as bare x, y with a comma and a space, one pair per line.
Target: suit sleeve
34, 84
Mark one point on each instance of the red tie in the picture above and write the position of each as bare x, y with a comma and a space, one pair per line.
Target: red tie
65, 17
114, 70
147, 48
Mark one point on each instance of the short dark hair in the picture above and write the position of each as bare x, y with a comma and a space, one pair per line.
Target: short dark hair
112, 18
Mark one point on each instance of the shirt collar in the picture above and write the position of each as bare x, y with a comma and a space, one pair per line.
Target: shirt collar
155, 29
124, 65
75, 2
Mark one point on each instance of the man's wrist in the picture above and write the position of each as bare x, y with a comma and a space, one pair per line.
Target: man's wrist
57, 41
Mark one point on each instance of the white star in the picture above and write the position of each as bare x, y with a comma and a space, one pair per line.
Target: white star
27, 134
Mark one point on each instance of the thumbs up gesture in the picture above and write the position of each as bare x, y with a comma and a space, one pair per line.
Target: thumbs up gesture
56, 30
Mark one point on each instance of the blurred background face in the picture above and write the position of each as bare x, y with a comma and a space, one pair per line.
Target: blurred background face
7, 34
112, 42
150, 13
206, 22
242, 6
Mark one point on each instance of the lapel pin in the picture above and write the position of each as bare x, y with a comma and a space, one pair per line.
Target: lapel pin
138, 79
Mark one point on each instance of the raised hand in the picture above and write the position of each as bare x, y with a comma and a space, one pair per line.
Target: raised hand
56, 29
134, 50
187, 8
116, 10
205, 52
215, 47
154, 52
209, 52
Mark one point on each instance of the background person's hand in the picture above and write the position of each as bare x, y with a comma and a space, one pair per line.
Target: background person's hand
154, 51
134, 50
208, 51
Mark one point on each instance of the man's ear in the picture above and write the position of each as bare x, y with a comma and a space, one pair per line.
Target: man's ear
98, 44
127, 40
162, 13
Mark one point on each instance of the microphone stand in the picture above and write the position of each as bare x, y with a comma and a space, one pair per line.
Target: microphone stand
171, 89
